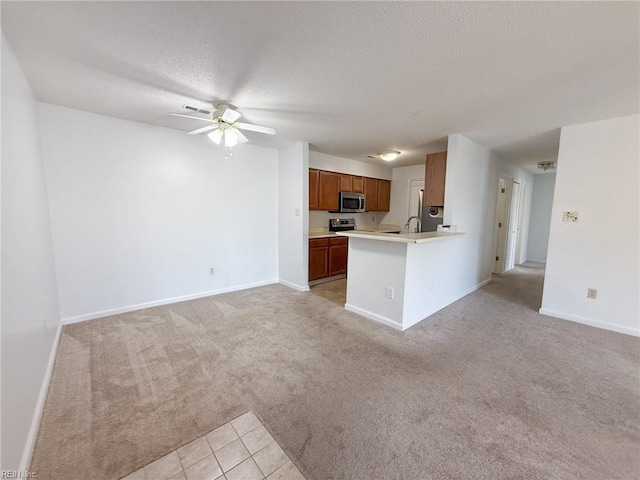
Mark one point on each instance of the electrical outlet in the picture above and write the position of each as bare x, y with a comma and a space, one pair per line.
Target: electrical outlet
570, 217
212, 271
390, 293
592, 293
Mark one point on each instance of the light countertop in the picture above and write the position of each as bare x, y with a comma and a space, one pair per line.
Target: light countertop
380, 228
423, 237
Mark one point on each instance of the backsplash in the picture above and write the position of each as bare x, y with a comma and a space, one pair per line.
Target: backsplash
321, 219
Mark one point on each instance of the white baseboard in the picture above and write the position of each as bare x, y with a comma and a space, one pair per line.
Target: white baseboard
535, 260
373, 316
403, 326
472, 289
300, 288
446, 303
588, 321
166, 301
32, 436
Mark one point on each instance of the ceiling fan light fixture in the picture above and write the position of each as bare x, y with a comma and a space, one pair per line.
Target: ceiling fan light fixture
216, 136
388, 156
230, 137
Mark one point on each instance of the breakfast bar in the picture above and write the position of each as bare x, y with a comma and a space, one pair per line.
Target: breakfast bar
400, 279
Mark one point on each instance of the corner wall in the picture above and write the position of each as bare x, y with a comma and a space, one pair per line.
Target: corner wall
541, 205
470, 200
140, 213
30, 313
597, 176
293, 215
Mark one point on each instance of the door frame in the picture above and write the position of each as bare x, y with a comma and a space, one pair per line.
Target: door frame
511, 247
503, 217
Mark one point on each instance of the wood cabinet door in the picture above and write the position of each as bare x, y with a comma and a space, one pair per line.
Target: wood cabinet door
434, 179
338, 259
318, 263
384, 195
314, 176
346, 184
371, 194
328, 189
357, 184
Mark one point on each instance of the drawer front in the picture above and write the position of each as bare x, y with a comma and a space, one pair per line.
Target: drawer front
338, 241
318, 242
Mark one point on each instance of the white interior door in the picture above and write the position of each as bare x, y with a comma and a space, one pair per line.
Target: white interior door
501, 227
512, 235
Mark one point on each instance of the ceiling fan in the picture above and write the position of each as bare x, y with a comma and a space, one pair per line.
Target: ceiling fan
225, 127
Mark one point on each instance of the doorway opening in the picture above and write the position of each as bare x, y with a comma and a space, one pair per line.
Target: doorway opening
508, 228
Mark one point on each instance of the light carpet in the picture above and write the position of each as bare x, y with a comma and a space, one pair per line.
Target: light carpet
485, 388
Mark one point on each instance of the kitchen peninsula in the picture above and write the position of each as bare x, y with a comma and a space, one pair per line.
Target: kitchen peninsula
398, 280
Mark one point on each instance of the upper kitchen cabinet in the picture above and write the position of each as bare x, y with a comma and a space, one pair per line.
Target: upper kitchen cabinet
328, 190
325, 187
434, 178
371, 194
384, 195
357, 184
346, 183
314, 177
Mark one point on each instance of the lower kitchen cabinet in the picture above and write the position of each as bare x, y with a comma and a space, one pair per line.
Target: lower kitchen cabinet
327, 257
338, 249
318, 258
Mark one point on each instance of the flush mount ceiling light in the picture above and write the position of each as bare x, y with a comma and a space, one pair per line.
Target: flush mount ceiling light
388, 156
546, 165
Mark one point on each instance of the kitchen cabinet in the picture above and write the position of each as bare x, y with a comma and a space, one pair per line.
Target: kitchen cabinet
384, 195
346, 183
328, 189
325, 186
327, 257
338, 249
434, 178
314, 176
371, 194
357, 184
318, 258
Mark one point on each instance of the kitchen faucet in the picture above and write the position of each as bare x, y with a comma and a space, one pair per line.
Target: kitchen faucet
419, 223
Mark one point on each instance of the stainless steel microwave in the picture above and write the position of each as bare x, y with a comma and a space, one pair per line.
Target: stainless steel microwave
351, 202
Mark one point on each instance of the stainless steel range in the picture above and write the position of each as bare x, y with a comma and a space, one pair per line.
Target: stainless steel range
342, 224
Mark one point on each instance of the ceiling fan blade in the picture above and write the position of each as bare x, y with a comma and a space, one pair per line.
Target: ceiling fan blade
230, 115
256, 128
241, 137
190, 116
203, 129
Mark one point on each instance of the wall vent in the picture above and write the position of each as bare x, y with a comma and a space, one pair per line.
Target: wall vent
196, 109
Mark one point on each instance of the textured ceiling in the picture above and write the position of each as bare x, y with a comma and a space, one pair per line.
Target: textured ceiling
350, 78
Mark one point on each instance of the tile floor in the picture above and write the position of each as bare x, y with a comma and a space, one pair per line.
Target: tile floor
242, 449
335, 291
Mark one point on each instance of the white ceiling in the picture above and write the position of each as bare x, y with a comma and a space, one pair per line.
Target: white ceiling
351, 78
